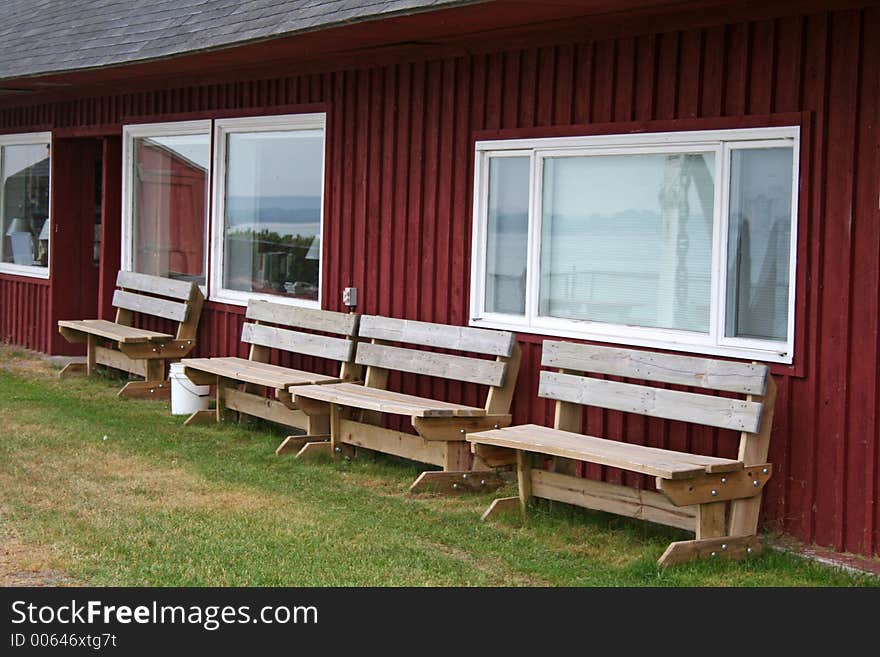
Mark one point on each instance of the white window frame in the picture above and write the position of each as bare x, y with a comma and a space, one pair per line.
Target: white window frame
222, 128
146, 130
24, 139
722, 143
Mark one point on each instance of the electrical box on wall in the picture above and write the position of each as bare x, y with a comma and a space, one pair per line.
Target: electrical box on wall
350, 297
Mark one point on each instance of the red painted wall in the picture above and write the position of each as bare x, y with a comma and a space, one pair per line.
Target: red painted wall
24, 312
398, 210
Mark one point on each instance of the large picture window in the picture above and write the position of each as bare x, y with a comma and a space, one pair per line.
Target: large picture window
166, 199
25, 227
268, 208
672, 240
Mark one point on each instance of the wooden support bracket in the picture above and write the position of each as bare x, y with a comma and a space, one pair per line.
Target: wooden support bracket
164, 349
313, 450
717, 487
73, 369
724, 547
456, 428
501, 506
294, 444
452, 482
146, 390
493, 457
201, 417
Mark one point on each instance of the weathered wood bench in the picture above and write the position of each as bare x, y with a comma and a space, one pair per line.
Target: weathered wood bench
356, 411
122, 346
281, 327
693, 491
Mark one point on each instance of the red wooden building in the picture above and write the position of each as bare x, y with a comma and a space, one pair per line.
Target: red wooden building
688, 176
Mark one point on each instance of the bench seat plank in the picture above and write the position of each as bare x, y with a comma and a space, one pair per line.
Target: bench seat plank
249, 371
663, 463
384, 401
113, 331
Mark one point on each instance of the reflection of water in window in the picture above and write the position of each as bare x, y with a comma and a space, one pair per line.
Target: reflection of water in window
273, 212
627, 239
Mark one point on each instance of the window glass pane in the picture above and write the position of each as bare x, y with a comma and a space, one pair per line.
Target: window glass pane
627, 239
169, 190
273, 212
24, 171
758, 243
507, 235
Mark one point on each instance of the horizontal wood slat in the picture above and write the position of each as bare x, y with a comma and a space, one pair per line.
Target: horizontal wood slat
139, 303
441, 336
387, 441
635, 458
384, 401
612, 498
118, 360
164, 287
264, 374
268, 409
745, 378
446, 366
308, 344
719, 412
113, 331
311, 319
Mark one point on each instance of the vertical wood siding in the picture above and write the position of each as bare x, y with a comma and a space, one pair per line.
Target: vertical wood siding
398, 215
24, 312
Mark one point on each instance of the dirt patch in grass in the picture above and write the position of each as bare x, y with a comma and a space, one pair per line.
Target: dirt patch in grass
23, 564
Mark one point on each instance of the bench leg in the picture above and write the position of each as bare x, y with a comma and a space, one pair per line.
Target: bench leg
435, 481
91, 348
524, 478
501, 506
73, 369
722, 547
146, 390
200, 417
156, 386
222, 413
710, 520
712, 540
458, 456
337, 447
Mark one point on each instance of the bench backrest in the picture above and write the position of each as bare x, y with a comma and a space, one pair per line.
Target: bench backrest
288, 332
750, 415
379, 356
178, 301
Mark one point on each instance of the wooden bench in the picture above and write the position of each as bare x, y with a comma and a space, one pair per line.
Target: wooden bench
240, 382
356, 411
693, 491
120, 345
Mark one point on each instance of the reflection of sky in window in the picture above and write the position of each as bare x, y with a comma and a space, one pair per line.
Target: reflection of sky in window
275, 163
21, 156
274, 181
195, 148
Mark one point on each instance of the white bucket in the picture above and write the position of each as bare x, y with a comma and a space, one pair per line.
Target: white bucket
186, 396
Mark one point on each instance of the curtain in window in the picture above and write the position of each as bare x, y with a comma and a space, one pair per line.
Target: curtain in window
627, 239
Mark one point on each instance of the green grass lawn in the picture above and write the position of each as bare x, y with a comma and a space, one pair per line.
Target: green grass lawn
119, 492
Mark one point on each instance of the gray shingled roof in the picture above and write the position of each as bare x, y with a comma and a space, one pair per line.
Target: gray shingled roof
50, 36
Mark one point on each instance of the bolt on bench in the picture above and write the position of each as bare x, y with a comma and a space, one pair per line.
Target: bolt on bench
693, 491
281, 327
120, 345
356, 411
